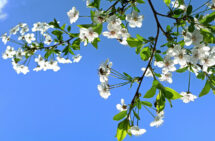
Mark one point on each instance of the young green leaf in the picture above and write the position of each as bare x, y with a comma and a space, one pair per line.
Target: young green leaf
182, 70
120, 115
171, 94
206, 89
167, 2
145, 53
122, 129
146, 103
152, 91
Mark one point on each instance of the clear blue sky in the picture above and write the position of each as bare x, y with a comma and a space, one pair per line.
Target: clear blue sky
66, 106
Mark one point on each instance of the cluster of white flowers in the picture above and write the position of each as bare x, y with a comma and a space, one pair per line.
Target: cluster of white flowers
115, 30
73, 15
104, 72
21, 30
200, 55
20, 68
44, 65
158, 120
11, 53
136, 131
187, 97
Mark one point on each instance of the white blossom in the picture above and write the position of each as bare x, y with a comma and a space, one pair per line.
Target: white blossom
48, 39
180, 56
104, 90
40, 60
158, 121
113, 31
24, 28
99, 17
20, 53
136, 131
121, 107
9, 52
87, 35
175, 4
29, 38
166, 77
63, 60
193, 38
104, 71
14, 30
53, 65
73, 15
114, 20
187, 97
5, 38
134, 19
76, 58
167, 64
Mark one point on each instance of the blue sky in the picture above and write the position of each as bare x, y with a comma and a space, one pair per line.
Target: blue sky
65, 106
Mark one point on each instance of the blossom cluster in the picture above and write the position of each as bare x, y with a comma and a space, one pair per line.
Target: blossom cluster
104, 72
30, 40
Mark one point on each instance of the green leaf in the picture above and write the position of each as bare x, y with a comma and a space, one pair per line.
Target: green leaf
140, 38
122, 129
57, 32
145, 53
151, 92
76, 44
201, 75
206, 89
167, 2
189, 9
140, 1
208, 37
55, 24
98, 28
182, 70
160, 102
63, 27
207, 19
136, 115
67, 50
120, 115
133, 42
146, 103
48, 53
171, 94
85, 25
158, 57
69, 28
95, 4
95, 42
